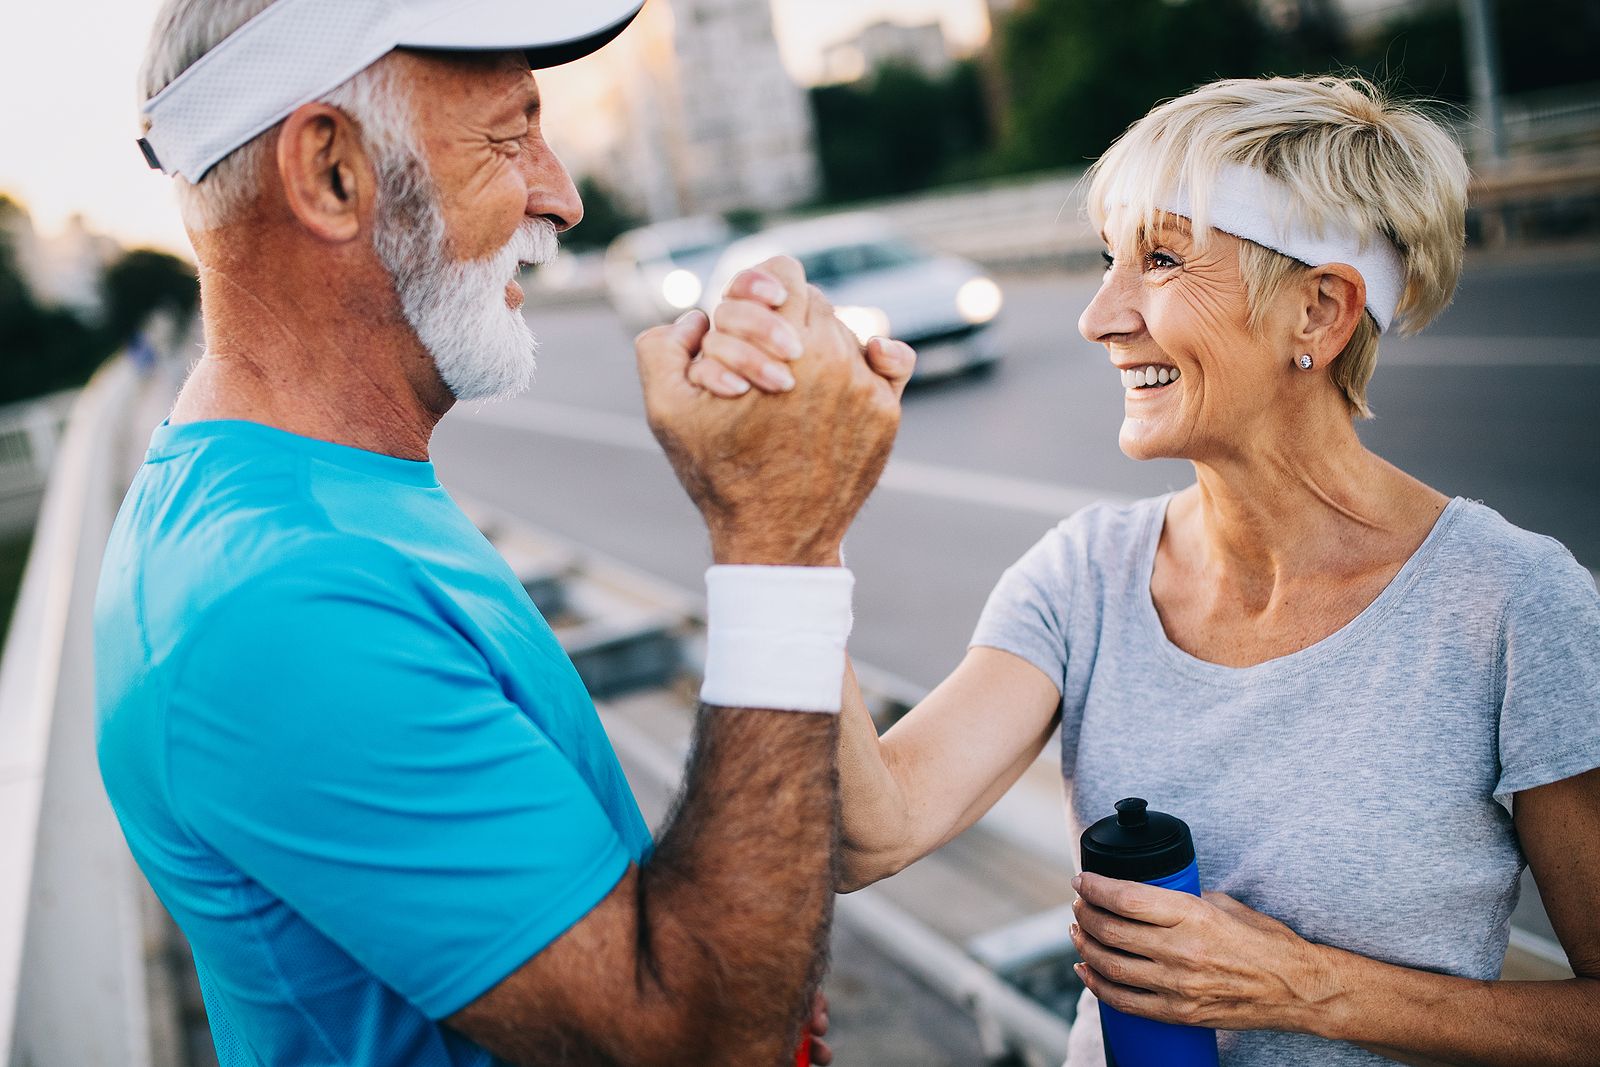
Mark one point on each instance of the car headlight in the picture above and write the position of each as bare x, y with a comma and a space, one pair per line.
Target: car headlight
681, 289
865, 323
979, 301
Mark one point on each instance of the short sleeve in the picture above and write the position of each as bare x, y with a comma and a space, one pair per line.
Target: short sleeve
1023, 615
1550, 703
347, 749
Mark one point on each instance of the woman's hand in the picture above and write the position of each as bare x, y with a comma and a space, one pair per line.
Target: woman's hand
817, 1027
1213, 962
751, 344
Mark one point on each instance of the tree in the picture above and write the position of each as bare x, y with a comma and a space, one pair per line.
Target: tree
899, 131
604, 220
1081, 71
141, 283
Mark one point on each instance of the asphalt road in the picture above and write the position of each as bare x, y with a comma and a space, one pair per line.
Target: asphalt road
1499, 402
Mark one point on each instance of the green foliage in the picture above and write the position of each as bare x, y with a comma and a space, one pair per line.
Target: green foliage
143, 282
1545, 44
899, 131
604, 220
13, 557
1079, 71
43, 349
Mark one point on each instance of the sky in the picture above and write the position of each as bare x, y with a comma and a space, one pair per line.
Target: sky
69, 117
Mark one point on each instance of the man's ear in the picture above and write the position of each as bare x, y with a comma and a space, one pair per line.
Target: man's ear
1335, 298
328, 180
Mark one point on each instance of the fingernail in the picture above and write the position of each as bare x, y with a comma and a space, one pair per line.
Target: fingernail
1079, 968
776, 377
1073, 930
771, 292
1077, 881
789, 341
687, 316
735, 384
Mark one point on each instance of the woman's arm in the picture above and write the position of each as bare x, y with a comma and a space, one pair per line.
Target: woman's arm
1452, 1020
942, 766
1215, 962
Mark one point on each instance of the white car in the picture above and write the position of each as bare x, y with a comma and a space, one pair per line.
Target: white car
881, 285
656, 273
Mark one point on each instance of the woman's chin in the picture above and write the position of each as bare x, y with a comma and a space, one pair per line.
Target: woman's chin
1141, 441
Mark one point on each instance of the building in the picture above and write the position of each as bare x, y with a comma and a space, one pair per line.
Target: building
690, 112
62, 269
922, 47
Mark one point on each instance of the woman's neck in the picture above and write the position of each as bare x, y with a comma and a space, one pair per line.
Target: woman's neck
1314, 502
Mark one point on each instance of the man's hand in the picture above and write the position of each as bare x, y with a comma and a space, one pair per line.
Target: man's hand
778, 478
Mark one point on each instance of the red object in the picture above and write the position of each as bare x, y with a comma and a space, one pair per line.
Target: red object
802, 1056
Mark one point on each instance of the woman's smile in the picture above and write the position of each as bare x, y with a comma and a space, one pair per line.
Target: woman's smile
1149, 379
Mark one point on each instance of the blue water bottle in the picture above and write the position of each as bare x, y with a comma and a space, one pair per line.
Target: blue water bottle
1139, 845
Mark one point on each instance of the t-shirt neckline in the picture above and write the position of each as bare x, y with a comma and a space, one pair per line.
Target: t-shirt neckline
169, 439
1293, 662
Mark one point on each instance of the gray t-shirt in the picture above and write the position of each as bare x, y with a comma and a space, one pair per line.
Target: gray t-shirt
1359, 789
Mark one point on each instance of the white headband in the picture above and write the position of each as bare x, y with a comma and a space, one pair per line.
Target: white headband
297, 51
1255, 206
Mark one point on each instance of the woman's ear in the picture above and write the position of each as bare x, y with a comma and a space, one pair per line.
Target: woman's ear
1335, 298
327, 178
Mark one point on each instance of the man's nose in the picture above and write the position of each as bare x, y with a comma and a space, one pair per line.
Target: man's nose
551, 194
1114, 311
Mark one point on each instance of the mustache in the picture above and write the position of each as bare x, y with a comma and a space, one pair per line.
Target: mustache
534, 244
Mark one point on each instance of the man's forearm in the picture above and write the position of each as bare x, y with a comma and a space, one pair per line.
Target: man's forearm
734, 906
1426, 1018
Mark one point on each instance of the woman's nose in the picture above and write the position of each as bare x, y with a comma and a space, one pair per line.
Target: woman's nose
1114, 310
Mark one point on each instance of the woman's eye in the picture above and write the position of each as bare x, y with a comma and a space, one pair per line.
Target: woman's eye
1111, 260
1159, 261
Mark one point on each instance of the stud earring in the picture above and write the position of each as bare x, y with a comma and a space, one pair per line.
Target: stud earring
1306, 362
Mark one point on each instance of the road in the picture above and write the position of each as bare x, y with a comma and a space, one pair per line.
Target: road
1497, 402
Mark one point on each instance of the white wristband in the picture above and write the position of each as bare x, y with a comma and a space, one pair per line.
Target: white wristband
775, 637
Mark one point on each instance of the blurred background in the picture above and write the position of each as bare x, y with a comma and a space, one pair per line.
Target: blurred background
922, 158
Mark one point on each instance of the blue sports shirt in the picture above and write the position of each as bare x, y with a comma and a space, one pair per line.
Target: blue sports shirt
346, 750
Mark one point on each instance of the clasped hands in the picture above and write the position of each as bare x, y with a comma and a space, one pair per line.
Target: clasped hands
775, 418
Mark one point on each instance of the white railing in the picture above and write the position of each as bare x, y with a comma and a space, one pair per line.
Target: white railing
29, 435
71, 972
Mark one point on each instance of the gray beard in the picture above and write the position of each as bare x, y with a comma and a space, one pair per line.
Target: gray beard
482, 348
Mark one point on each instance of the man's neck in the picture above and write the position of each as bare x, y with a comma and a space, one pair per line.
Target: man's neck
334, 360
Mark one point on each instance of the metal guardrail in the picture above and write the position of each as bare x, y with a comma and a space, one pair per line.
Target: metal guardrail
69, 935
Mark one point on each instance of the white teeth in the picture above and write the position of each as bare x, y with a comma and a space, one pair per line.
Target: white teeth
1147, 376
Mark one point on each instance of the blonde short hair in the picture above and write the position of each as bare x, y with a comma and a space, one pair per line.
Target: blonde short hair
1354, 158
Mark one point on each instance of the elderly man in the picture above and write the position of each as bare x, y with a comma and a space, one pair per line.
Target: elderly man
345, 749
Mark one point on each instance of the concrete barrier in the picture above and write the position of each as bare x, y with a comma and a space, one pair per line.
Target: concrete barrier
71, 967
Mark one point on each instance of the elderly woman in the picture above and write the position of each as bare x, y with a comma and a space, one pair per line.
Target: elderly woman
1374, 704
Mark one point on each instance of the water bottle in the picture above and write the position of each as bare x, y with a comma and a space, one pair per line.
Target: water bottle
1139, 845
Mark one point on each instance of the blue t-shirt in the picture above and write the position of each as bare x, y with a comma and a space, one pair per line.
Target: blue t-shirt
345, 749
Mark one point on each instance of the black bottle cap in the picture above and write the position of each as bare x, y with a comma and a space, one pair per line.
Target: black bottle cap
1137, 844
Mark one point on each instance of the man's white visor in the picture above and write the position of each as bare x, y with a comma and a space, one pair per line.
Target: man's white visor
297, 51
